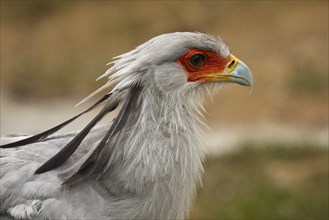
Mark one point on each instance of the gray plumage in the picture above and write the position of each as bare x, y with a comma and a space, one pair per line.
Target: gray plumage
146, 164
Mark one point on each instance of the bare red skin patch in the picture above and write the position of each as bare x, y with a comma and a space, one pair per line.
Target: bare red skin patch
212, 64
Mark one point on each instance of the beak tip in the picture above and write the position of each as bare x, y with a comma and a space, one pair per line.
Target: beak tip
242, 75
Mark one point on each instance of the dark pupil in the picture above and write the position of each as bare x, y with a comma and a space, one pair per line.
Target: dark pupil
197, 60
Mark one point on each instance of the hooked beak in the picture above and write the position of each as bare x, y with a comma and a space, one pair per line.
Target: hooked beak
236, 71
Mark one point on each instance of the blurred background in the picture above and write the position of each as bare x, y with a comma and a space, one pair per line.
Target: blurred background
267, 152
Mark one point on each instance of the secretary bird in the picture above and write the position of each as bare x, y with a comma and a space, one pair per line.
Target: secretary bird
147, 162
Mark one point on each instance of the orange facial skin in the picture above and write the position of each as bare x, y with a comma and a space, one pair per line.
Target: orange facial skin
213, 63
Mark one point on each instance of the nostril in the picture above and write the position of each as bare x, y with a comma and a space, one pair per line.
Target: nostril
231, 64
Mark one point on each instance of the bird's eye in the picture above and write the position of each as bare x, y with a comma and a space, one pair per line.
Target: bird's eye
197, 60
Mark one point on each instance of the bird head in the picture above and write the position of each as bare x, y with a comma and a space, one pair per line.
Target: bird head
176, 62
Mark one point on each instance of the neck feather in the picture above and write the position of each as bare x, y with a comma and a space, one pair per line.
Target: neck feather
162, 156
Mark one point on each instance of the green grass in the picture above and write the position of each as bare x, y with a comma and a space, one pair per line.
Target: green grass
269, 182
